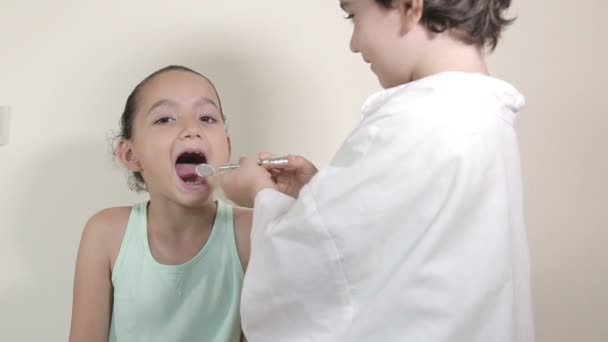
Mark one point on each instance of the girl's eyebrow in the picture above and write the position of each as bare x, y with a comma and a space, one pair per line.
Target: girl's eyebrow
206, 100
170, 103
163, 102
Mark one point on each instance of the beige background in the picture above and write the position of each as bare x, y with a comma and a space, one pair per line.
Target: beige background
289, 84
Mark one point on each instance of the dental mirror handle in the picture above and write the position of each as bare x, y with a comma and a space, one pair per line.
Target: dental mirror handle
276, 162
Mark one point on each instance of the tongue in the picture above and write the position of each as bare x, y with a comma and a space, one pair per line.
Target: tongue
187, 172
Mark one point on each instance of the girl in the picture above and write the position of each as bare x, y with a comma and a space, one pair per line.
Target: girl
169, 269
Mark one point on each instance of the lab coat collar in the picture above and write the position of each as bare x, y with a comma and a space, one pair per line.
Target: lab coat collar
504, 92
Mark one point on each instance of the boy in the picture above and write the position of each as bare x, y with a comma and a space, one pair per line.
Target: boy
415, 231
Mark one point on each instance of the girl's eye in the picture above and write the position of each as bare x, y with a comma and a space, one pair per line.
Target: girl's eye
208, 119
163, 120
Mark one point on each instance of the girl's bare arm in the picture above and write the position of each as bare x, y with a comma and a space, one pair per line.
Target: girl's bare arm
92, 298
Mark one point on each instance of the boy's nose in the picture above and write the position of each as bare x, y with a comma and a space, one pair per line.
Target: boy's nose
353, 44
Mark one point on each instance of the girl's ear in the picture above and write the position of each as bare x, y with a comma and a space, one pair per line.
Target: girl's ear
126, 155
411, 13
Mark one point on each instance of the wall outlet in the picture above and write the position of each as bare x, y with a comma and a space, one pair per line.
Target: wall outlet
5, 124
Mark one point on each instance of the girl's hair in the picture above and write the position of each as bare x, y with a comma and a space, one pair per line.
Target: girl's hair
481, 21
136, 181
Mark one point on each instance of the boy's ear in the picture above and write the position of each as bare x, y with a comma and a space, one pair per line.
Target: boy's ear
126, 155
411, 13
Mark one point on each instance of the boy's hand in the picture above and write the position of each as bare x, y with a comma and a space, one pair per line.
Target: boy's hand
241, 185
291, 179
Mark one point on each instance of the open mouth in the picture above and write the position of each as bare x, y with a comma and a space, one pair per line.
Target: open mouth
185, 166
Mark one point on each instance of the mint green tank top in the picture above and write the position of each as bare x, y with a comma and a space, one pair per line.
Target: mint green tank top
195, 301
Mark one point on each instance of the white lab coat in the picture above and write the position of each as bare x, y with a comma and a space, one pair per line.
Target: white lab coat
413, 233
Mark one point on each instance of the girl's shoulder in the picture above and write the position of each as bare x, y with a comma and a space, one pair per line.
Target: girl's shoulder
104, 231
242, 218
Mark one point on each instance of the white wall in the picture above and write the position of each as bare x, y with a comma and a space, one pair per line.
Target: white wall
288, 84
557, 54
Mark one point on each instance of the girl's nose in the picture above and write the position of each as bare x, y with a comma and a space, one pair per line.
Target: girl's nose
191, 133
192, 130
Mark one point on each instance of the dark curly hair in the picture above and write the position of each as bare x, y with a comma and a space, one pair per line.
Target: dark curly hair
136, 182
481, 21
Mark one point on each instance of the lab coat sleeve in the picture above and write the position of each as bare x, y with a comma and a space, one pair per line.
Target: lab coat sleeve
291, 251
270, 205
406, 236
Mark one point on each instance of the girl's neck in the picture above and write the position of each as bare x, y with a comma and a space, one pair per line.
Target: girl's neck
169, 217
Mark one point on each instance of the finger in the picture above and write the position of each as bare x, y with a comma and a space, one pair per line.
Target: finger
301, 164
281, 187
265, 155
275, 172
246, 161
